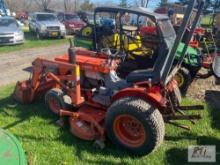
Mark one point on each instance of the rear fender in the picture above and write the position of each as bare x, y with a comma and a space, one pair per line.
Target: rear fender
151, 95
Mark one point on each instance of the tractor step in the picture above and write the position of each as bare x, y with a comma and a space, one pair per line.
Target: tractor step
193, 107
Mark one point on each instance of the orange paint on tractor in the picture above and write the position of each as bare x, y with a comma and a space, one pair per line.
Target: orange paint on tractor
87, 122
96, 99
91, 63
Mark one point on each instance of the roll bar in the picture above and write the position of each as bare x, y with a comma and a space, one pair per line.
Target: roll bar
162, 72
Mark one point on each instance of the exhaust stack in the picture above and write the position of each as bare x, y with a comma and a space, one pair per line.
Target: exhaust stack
72, 53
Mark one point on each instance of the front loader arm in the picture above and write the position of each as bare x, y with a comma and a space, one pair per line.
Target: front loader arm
41, 68
46, 75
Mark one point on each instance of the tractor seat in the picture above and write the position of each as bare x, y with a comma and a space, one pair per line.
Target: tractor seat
139, 75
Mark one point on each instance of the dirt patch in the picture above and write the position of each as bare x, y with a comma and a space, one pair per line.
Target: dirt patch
14, 66
202, 90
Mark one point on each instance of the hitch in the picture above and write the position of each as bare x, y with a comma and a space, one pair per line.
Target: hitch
183, 116
180, 126
169, 118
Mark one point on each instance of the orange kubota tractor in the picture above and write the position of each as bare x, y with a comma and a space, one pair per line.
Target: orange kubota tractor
84, 86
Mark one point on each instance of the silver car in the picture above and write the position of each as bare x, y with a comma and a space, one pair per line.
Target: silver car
10, 31
46, 25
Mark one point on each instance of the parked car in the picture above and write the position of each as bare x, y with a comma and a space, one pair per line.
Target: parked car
22, 15
46, 25
88, 17
72, 22
10, 31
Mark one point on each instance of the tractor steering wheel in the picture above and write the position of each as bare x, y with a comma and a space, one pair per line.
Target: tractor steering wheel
116, 54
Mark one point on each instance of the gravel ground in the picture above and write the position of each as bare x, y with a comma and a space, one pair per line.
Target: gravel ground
14, 66
206, 90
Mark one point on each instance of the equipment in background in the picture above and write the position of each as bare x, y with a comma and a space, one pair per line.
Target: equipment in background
138, 38
11, 151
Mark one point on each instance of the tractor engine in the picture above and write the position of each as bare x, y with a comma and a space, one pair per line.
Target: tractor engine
104, 85
98, 73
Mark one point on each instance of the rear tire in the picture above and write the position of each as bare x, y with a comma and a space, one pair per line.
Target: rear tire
135, 126
183, 78
54, 100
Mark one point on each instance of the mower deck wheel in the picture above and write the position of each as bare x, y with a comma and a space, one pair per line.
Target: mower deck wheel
183, 78
134, 125
54, 100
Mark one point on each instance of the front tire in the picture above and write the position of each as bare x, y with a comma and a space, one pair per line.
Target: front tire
135, 126
54, 100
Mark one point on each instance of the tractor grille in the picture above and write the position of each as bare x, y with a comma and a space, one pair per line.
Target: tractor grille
53, 28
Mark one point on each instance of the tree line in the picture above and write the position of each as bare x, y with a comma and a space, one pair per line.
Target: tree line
86, 5
45, 5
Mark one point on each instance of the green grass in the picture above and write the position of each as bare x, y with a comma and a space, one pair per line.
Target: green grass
45, 143
32, 42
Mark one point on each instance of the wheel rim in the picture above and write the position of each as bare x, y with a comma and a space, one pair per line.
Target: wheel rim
54, 105
129, 130
180, 79
86, 31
